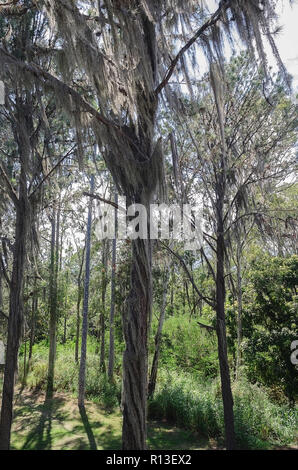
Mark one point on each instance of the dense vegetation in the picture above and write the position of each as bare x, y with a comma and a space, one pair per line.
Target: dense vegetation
194, 334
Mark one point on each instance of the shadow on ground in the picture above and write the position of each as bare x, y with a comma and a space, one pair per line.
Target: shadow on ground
58, 424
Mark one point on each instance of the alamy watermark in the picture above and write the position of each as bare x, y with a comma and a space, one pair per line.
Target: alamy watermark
183, 223
2, 93
2, 353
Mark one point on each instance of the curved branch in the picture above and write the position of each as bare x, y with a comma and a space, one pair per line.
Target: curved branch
208, 300
224, 5
10, 190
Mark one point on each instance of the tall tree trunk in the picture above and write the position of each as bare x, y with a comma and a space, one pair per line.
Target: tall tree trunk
105, 254
239, 311
221, 323
1, 291
79, 282
25, 356
158, 336
78, 323
15, 321
112, 309
82, 371
53, 300
172, 289
65, 306
135, 357
33, 320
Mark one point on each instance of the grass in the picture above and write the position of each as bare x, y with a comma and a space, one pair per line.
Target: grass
57, 424
183, 406
197, 406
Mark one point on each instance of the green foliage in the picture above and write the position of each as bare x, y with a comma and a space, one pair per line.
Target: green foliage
271, 324
187, 346
98, 388
189, 403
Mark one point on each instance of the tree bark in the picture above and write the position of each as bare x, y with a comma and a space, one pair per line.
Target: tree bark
221, 324
78, 323
82, 371
105, 254
1, 291
33, 321
53, 303
15, 321
239, 312
158, 336
135, 358
65, 304
79, 281
112, 309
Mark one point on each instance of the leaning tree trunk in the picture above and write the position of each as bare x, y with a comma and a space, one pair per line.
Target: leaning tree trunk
221, 324
82, 371
15, 321
135, 358
154, 368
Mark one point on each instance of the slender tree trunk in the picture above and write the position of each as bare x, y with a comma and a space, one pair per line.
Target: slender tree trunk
78, 322
65, 307
105, 251
53, 310
64, 329
239, 312
33, 321
15, 321
82, 371
53, 300
172, 288
25, 358
158, 336
112, 309
221, 323
135, 358
1, 291
79, 281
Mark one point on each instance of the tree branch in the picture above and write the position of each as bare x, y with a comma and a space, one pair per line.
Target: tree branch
182, 262
4, 271
107, 201
51, 171
4, 314
224, 5
11, 191
207, 327
65, 89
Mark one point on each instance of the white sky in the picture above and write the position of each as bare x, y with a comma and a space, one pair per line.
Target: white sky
287, 41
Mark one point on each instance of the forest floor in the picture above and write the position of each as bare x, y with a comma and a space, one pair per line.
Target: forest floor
58, 424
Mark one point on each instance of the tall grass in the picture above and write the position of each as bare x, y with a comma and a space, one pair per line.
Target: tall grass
182, 399
98, 388
259, 423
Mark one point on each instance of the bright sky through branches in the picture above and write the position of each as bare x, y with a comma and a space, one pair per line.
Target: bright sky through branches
287, 40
